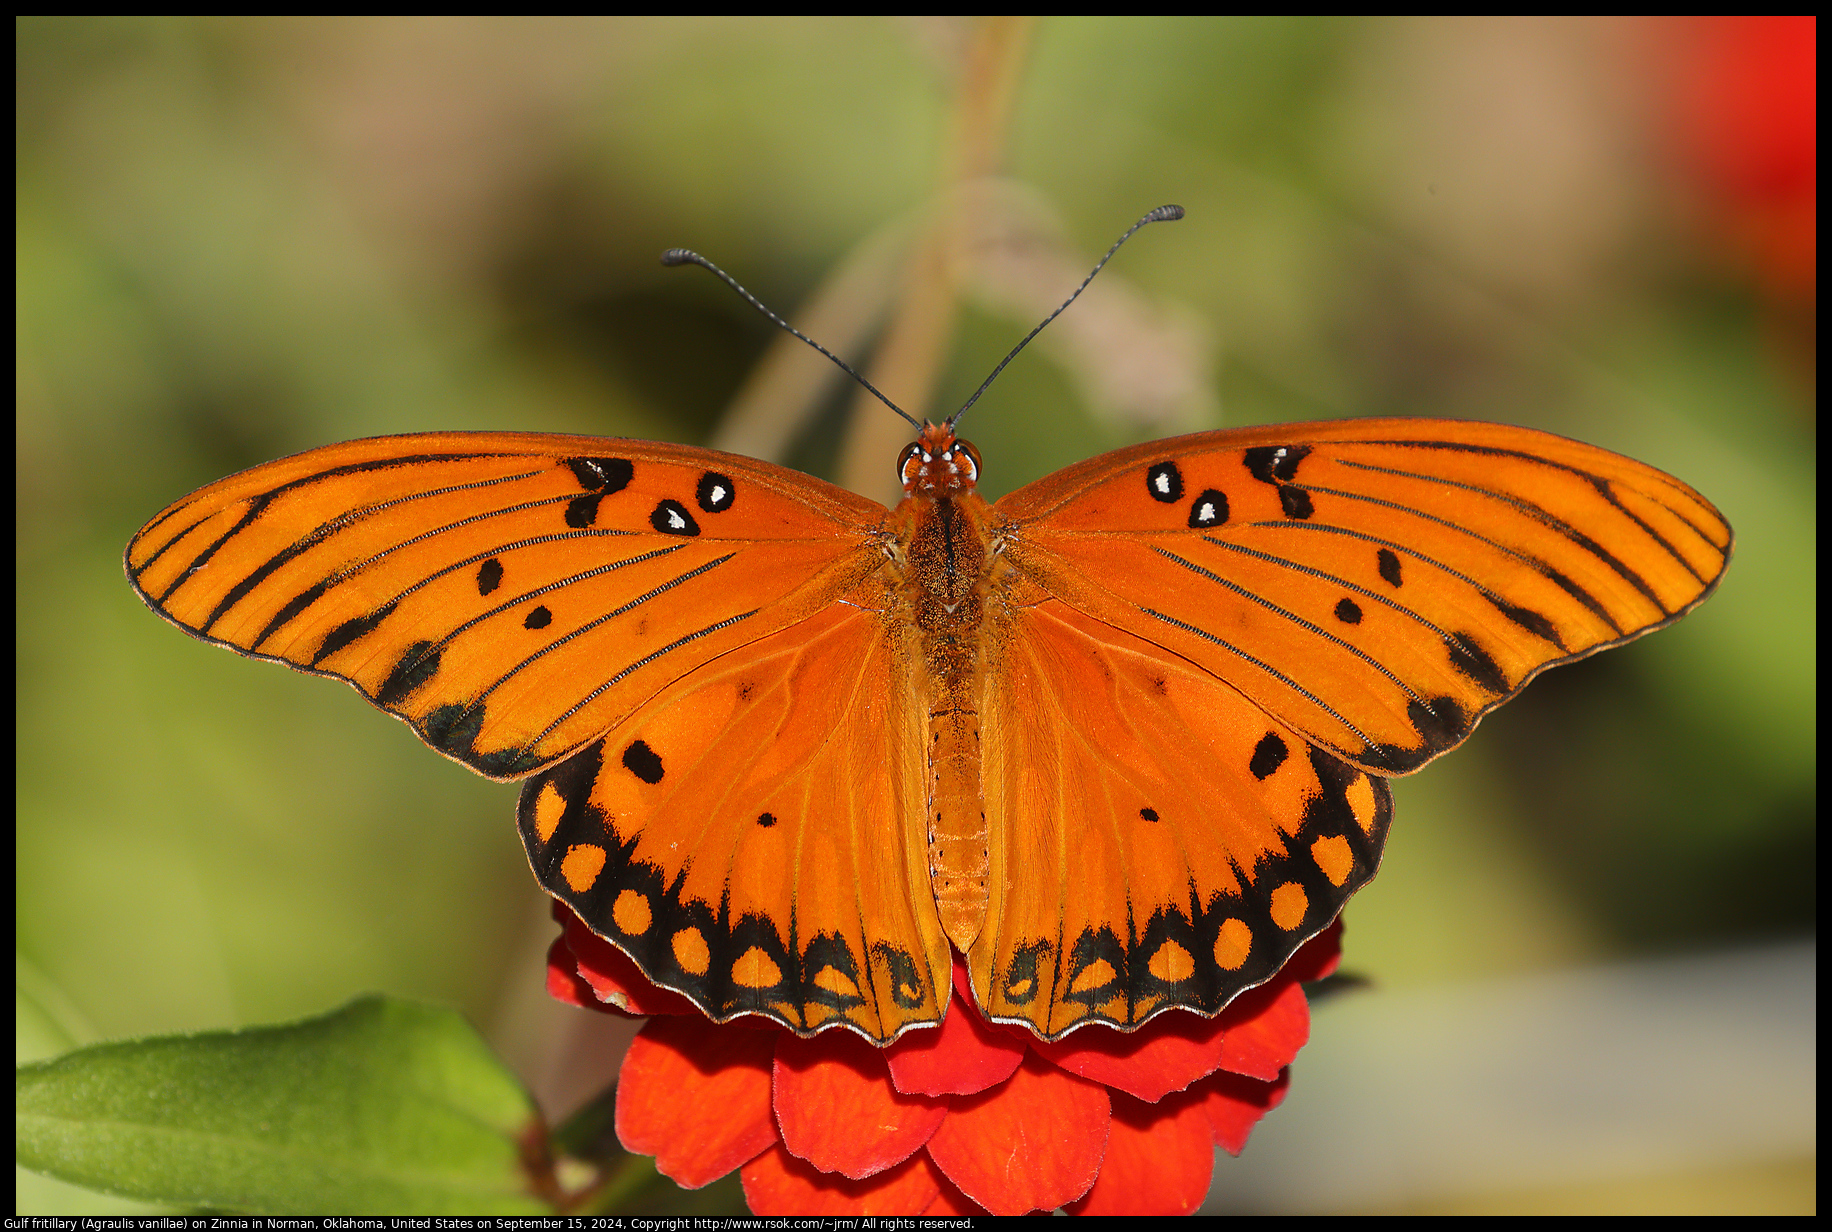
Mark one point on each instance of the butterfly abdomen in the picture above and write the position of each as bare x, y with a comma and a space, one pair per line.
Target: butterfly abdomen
948, 556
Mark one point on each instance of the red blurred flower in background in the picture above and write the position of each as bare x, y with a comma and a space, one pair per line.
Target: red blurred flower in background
965, 1118
1742, 113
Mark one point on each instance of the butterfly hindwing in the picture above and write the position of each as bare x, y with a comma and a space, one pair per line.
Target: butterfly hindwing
750, 836
510, 595
1162, 841
1377, 585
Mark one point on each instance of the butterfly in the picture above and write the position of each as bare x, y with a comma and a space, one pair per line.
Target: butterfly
1121, 739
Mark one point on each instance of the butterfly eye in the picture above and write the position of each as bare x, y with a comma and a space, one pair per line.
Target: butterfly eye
906, 470
967, 459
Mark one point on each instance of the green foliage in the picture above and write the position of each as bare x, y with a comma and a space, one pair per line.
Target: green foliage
383, 1107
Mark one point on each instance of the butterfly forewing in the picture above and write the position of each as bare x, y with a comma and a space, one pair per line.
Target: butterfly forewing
1377, 585
512, 596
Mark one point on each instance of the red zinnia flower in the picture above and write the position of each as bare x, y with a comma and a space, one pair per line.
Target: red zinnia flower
1742, 107
965, 1118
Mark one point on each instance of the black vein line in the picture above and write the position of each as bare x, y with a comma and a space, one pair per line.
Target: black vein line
509, 605
319, 535
260, 504
1270, 670
1545, 570
1293, 617
583, 629
1604, 487
1500, 602
266, 498
1535, 512
303, 601
640, 663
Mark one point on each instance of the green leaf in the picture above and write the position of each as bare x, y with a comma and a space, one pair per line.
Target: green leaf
383, 1107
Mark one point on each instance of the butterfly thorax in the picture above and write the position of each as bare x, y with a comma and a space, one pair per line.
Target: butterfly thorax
946, 528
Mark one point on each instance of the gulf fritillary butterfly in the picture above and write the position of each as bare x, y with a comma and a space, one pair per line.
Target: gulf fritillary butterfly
1120, 738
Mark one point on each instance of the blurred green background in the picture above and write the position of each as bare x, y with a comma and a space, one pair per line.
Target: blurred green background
242, 238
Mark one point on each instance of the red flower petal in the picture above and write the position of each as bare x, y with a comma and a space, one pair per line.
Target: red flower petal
1747, 101
777, 1183
951, 1201
1316, 958
1266, 1026
1744, 108
1159, 1160
837, 1109
1176, 1049
1166, 1054
964, 1056
1032, 1144
696, 1096
563, 982
614, 979
1234, 1105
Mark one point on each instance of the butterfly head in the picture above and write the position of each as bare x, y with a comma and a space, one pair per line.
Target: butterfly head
935, 464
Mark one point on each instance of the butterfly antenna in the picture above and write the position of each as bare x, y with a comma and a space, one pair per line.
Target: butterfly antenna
1164, 213
686, 256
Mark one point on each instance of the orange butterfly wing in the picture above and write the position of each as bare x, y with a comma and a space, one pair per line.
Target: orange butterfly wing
1219, 640
1196, 657
511, 595
1160, 840
749, 835
516, 596
1377, 584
